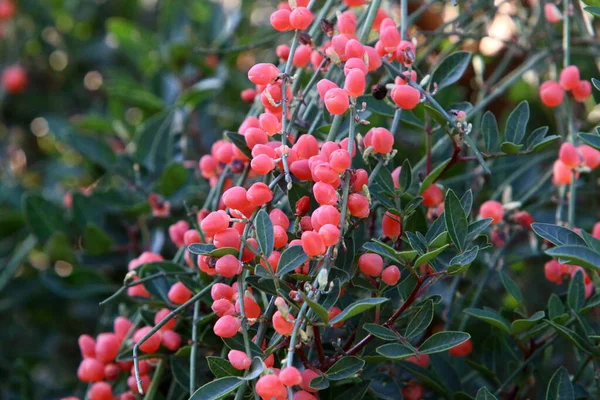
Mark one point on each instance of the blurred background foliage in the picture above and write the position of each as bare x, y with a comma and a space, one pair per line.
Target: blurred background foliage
121, 94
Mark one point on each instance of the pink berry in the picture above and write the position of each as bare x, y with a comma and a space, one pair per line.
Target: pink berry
391, 275
336, 101
228, 266
179, 293
406, 97
569, 155
300, 18
370, 264
90, 370
582, 91
100, 391
226, 326
171, 340
290, 376
162, 314
239, 360
492, 209
263, 73
107, 347
551, 94
152, 344
569, 77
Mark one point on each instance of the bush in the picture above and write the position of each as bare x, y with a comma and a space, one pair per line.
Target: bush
363, 228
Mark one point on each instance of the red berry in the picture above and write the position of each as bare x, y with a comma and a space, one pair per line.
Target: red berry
323, 86
302, 56
358, 205
121, 327
582, 91
90, 370
248, 95
569, 77
391, 275
355, 83
307, 376
330, 234
171, 340
223, 307
552, 13
269, 387
251, 307
553, 271
87, 346
235, 197
228, 266
303, 395
111, 371
313, 244
259, 194
370, 264
406, 97
413, 391
152, 344
226, 326
214, 223
229, 237
562, 175
332, 313
300, 18
14, 79
569, 155
382, 140
492, 209
179, 293
421, 360
7, 10
107, 347
290, 376
283, 52
221, 291
263, 73
162, 314
132, 383
551, 94
346, 23
391, 225
432, 196
282, 325
389, 38
280, 20
325, 194
100, 391
591, 156
336, 101
355, 63
462, 350
239, 360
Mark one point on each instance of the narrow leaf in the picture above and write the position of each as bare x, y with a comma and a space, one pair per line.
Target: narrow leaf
516, 123
344, 368
291, 258
456, 220
264, 232
489, 130
356, 308
560, 386
420, 321
217, 389
451, 69
443, 341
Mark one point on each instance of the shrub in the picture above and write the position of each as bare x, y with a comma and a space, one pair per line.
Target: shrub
318, 251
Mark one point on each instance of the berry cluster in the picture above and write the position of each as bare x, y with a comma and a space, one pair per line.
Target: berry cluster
552, 93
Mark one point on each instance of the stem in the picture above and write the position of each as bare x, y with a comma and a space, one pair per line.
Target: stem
403, 19
160, 324
366, 28
294, 337
335, 126
156, 377
375, 171
566, 43
194, 352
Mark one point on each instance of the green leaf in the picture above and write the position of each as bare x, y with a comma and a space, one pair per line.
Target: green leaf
439, 240
263, 227
578, 255
590, 304
172, 179
386, 251
485, 394
521, 325
516, 124
570, 336
456, 220
461, 261
435, 115
237, 343
451, 69
469, 141
221, 367
317, 309
466, 201
95, 241
217, 389
489, 130
576, 294
510, 148
380, 332
536, 136
545, 142
560, 386
92, 148
489, 316
356, 308
596, 83
427, 257
43, 217
395, 351
592, 242
344, 368
558, 235
477, 227
201, 248
443, 341
380, 107
420, 321
595, 11
319, 383
511, 287
405, 178
429, 179
154, 141
355, 392
291, 258
256, 369
240, 142
591, 139
555, 307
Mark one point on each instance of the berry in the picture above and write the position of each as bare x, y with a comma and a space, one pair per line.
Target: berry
111, 371
152, 344
269, 123
263, 73
279, 218
132, 384
554, 271
569, 77
282, 325
462, 350
325, 194
389, 38
302, 56
405, 54
251, 307
323, 87
432, 196
346, 23
235, 197
226, 326
336, 101
391, 275
370, 264
14, 79
228, 266
413, 391
591, 156
569, 155
582, 91
229, 237
269, 387
107, 347
280, 237
391, 225
179, 293
307, 376
214, 223
358, 205
300, 18
492, 209
355, 82
162, 314
121, 327
332, 313
406, 97
551, 94
171, 340
239, 360
313, 244
562, 175
259, 194
100, 391
382, 140
552, 13
262, 164
283, 52
221, 291
248, 95
290, 376
355, 63
330, 234
223, 307
90, 370
87, 346
354, 3
7, 9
